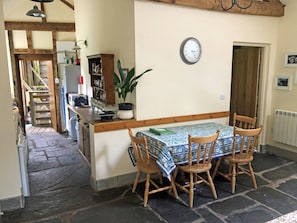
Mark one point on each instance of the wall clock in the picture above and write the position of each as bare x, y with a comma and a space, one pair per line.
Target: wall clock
190, 50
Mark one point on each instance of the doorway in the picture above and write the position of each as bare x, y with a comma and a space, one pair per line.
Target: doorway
35, 90
245, 83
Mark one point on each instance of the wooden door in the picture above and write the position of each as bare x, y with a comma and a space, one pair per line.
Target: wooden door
245, 81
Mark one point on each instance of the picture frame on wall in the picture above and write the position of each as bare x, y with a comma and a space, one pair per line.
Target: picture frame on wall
291, 59
283, 82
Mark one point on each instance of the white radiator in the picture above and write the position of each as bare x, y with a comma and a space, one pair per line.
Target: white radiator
285, 127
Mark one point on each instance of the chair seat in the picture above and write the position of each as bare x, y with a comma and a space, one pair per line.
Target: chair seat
148, 166
240, 158
196, 168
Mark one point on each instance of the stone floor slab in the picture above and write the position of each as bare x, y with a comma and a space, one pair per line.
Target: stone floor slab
264, 162
253, 215
274, 199
289, 187
281, 172
231, 205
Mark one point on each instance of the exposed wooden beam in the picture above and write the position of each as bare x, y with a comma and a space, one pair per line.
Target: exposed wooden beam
33, 51
264, 8
40, 26
29, 39
68, 4
43, 9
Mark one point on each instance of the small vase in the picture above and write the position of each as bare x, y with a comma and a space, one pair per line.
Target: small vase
125, 114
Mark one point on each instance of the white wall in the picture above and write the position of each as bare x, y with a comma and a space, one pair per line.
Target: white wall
174, 88
9, 171
284, 99
108, 27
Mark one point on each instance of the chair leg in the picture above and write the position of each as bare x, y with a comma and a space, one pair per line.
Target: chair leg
233, 177
216, 168
136, 181
173, 186
252, 175
160, 178
191, 191
146, 191
212, 186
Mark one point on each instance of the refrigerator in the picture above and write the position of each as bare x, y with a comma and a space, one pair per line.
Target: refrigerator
69, 84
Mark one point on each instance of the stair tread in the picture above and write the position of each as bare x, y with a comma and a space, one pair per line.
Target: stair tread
42, 111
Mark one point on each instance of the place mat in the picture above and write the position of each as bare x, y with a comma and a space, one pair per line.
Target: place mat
161, 131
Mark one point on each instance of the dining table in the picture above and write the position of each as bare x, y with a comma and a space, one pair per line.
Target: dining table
169, 146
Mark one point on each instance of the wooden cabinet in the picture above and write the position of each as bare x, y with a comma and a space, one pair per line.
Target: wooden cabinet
84, 139
101, 69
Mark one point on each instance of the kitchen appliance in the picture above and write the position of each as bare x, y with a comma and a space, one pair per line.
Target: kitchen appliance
79, 100
70, 75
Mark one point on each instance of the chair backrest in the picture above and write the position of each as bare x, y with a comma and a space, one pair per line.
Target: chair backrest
246, 140
201, 148
244, 122
140, 149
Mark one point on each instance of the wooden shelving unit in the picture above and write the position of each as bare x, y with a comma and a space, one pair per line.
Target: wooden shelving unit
101, 69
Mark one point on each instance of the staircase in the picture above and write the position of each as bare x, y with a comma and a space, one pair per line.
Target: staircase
40, 108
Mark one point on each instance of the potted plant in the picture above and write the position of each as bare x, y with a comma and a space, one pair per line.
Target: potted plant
125, 82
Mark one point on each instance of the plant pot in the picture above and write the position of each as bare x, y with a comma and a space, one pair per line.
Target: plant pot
125, 111
125, 114
125, 106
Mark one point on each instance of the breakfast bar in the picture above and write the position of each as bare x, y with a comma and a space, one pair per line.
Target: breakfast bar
107, 143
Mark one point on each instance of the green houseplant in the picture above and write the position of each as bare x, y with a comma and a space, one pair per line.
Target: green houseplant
125, 82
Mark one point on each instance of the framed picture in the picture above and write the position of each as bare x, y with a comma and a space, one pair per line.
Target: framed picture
291, 60
283, 82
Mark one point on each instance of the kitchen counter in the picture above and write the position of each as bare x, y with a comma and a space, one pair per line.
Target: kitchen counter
86, 113
91, 117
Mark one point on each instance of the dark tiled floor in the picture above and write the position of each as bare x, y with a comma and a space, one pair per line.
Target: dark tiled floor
59, 183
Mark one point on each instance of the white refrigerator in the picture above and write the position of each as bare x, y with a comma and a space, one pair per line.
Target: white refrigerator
70, 79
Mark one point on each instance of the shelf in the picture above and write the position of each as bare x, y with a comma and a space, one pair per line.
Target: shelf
101, 70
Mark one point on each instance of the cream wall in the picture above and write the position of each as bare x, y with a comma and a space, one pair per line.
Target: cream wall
9, 171
148, 34
174, 88
283, 99
108, 27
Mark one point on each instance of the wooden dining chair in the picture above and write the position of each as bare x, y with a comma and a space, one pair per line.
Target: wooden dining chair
147, 165
244, 122
244, 144
200, 151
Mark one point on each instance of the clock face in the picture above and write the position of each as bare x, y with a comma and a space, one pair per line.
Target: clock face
190, 50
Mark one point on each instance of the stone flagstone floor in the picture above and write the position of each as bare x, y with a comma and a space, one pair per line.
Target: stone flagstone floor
60, 192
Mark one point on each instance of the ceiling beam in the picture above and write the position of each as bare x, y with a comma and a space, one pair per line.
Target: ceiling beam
40, 26
260, 7
68, 4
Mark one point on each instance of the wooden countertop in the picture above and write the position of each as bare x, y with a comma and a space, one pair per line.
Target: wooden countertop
87, 114
90, 116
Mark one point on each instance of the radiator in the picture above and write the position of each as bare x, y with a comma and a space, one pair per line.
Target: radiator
285, 127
